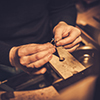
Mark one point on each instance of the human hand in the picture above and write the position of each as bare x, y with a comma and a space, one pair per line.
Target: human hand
67, 36
31, 56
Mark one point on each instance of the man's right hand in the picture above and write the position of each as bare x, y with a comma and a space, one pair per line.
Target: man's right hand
31, 56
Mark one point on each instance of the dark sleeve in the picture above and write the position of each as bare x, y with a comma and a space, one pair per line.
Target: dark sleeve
4, 53
62, 10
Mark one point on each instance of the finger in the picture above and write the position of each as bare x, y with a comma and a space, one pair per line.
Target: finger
58, 34
25, 60
70, 29
33, 48
41, 71
73, 48
59, 29
73, 34
78, 40
40, 62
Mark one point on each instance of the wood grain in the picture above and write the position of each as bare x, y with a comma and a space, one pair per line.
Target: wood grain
68, 67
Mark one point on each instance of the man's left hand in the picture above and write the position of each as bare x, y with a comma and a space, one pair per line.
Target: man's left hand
67, 36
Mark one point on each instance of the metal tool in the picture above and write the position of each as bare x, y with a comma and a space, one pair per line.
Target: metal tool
4, 86
54, 43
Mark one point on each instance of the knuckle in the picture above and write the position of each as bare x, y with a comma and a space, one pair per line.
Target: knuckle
37, 48
20, 52
69, 27
23, 61
58, 29
51, 51
47, 45
57, 37
30, 65
41, 63
77, 30
37, 56
45, 60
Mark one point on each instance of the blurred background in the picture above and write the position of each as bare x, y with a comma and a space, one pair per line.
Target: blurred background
89, 17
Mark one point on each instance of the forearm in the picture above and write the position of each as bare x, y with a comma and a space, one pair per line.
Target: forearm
31, 56
4, 53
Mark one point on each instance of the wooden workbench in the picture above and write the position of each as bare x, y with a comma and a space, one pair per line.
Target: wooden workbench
82, 90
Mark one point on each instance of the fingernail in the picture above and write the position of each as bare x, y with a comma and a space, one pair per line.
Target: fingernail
43, 70
57, 39
54, 49
58, 43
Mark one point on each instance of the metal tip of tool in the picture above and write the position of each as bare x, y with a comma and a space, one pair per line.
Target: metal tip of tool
52, 40
54, 43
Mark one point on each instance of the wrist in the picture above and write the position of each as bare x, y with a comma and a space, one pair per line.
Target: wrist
13, 55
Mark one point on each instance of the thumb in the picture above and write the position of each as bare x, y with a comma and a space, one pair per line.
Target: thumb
57, 34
